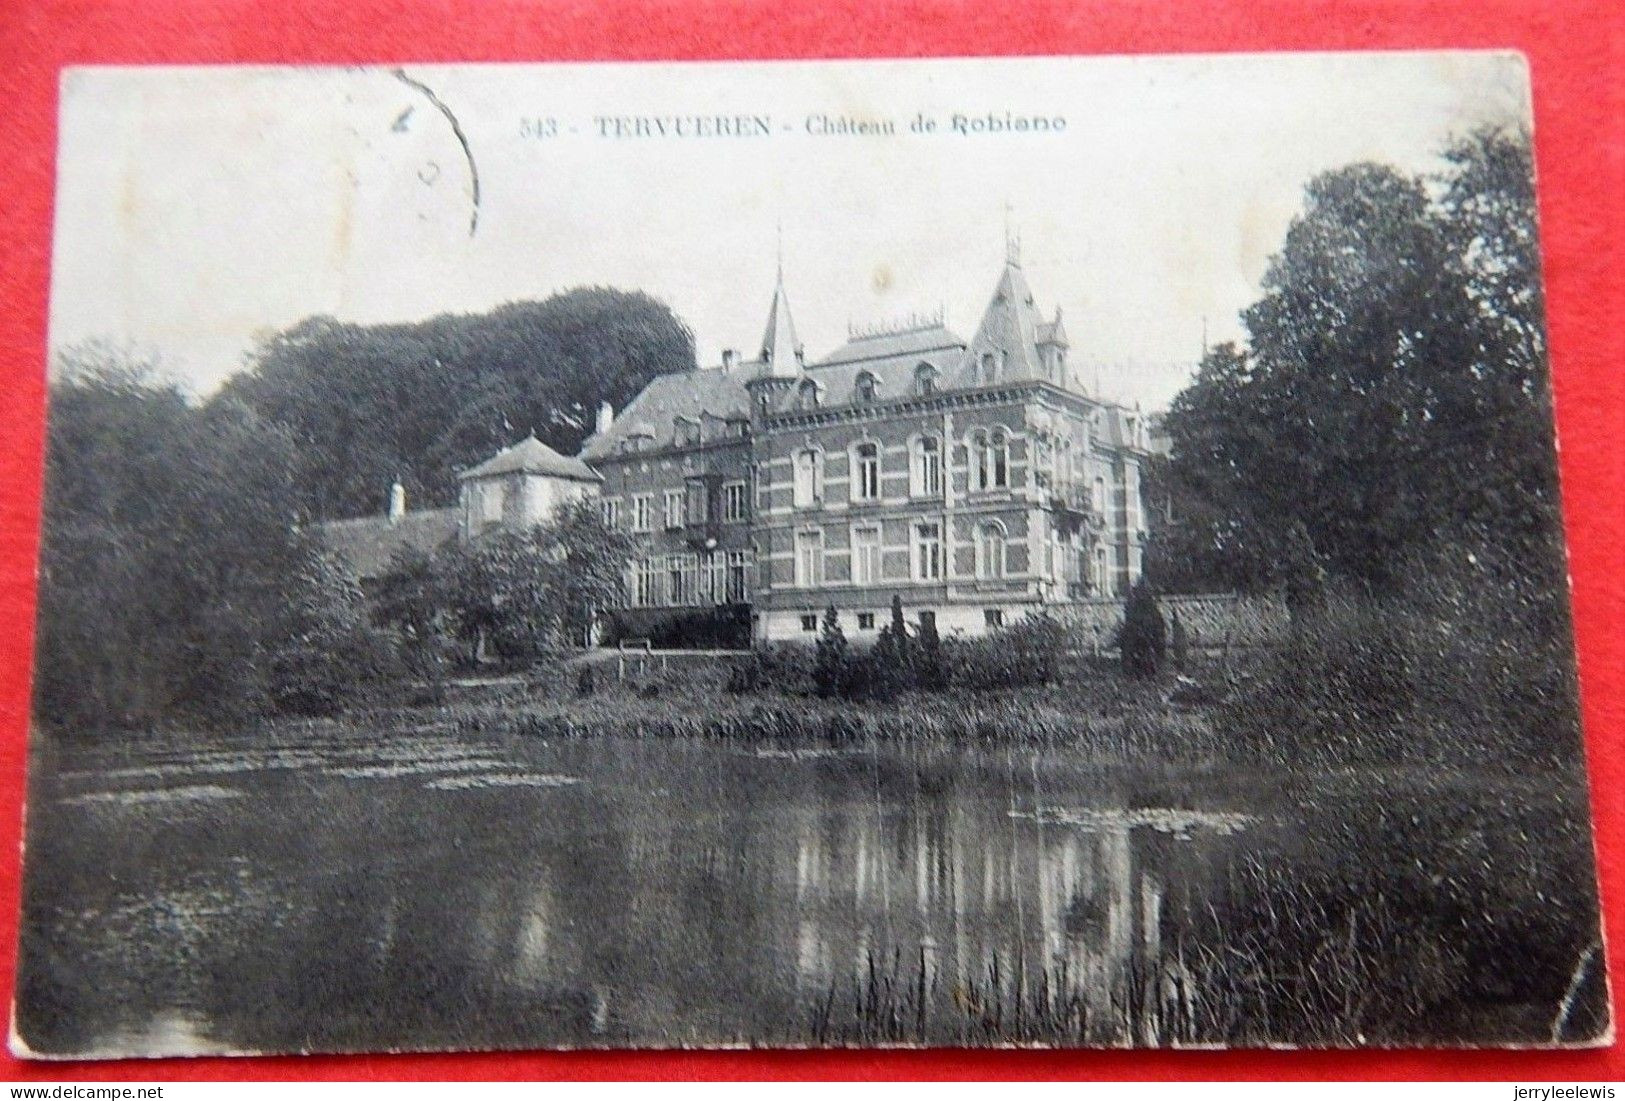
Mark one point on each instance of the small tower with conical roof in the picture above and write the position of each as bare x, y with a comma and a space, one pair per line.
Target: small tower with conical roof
1052, 346
779, 366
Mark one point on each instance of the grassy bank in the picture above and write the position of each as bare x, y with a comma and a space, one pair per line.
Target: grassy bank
1094, 712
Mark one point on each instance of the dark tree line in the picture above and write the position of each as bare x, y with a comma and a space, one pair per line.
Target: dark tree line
1392, 397
367, 404
181, 579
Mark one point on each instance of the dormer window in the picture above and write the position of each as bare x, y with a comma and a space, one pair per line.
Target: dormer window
807, 394
866, 388
925, 380
688, 432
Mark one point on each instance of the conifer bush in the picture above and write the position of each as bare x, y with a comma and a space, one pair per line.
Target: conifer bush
829, 659
1143, 641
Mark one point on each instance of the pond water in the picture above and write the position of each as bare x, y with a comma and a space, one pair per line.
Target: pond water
435, 890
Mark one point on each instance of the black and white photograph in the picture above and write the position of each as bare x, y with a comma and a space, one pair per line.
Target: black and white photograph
1050, 552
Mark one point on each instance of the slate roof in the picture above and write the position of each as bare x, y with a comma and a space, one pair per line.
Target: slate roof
1009, 327
892, 359
1011, 324
715, 390
369, 544
532, 456
936, 339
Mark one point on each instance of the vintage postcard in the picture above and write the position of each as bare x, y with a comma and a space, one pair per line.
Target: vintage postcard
1053, 552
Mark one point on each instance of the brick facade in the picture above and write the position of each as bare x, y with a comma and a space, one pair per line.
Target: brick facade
976, 480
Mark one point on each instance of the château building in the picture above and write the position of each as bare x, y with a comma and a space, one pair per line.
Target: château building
977, 479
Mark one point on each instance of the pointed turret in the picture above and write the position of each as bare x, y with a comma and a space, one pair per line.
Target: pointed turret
1005, 347
779, 367
781, 351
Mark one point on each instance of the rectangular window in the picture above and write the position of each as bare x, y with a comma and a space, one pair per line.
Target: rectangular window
738, 580
927, 467
993, 616
735, 503
674, 508
928, 551
682, 580
697, 509
674, 580
866, 555
611, 511
809, 559
866, 472
809, 478
647, 592
809, 622
643, 512
866, 621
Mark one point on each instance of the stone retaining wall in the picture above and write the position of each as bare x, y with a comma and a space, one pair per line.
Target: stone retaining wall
1212, 621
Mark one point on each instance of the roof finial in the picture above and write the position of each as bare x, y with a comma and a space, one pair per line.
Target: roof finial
1012, 240
780, 250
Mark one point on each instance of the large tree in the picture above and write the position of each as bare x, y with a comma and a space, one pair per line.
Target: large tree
170, 549
368, 404
1393, 389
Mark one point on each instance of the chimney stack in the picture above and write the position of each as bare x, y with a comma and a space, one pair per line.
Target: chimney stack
730, 359
397, 502
606, 417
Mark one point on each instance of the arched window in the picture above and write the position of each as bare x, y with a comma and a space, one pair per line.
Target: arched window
809, 477
1103, 583
981, 469
925, 380
988, 367
866, 388
927, 467
990, 550
999, 459
1100, 496
866, 472
807, 394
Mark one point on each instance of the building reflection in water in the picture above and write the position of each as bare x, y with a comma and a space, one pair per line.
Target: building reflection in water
675, 895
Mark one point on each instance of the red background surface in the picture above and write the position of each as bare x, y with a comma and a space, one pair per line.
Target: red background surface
1576, 50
